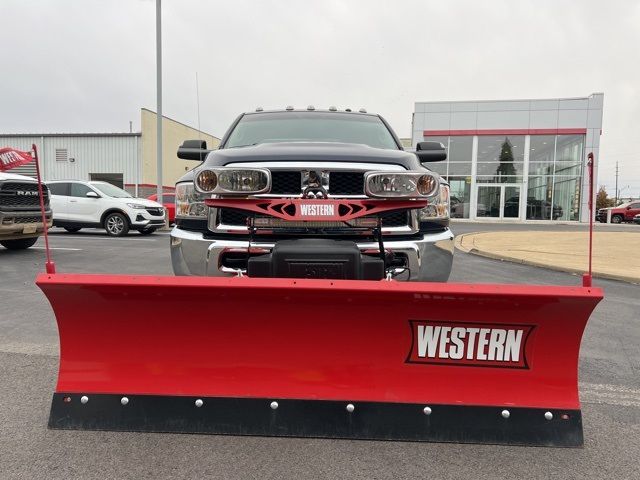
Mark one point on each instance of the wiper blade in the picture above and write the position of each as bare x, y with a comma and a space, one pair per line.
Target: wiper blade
247, 145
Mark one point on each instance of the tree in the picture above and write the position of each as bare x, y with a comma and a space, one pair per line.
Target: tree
603, 200
506, 170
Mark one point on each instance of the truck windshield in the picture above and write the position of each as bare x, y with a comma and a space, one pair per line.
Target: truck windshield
278, 127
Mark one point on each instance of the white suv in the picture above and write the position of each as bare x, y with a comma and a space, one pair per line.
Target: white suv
78, 204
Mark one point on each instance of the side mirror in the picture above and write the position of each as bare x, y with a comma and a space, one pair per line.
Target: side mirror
629, 207
193, 150
92, 195
431, 152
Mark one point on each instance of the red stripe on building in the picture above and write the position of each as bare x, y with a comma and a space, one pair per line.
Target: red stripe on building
506, 131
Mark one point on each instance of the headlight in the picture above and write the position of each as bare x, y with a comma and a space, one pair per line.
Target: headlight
400, 185
135, 205
233, 181
439, 208
189, 203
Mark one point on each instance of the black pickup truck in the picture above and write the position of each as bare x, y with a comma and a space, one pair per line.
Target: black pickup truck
20, 216
312, 154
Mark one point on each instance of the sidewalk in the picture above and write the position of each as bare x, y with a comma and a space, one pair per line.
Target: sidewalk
615, 254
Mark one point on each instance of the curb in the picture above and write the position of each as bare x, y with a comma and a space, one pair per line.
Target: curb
533, 263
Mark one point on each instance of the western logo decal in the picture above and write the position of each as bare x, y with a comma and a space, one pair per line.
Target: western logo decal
317, 210
471, 344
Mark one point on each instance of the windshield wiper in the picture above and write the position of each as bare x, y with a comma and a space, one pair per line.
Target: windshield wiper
247, 145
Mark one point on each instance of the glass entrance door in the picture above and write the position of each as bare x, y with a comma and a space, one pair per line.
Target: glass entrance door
498, 201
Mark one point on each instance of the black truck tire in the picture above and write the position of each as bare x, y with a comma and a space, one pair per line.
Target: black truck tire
19, 244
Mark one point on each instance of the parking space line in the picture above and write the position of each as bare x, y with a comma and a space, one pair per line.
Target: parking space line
57, 248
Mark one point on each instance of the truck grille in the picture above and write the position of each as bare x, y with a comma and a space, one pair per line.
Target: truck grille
231, 216
289, 182
20, 195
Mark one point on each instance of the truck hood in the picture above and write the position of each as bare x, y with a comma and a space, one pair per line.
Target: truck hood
13, 176
312, 152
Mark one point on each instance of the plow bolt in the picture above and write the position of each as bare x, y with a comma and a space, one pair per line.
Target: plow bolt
548, 415
350, 408
199, 403
427, 410
274, 405
84, 399
505, 414
124, 400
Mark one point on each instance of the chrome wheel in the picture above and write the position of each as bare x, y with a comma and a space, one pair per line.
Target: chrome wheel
115, 225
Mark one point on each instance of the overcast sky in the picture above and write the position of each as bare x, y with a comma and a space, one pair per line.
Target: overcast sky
89, 65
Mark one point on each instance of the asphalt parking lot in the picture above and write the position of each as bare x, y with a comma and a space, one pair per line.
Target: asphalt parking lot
609, 376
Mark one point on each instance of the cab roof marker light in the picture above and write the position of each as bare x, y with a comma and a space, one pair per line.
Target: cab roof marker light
289, 108
363, 110
311, 108
259, 109
333, 109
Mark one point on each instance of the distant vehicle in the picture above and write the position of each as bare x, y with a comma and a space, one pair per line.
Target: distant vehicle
79, 204
168, 202
622, 213
636, 219
20, 216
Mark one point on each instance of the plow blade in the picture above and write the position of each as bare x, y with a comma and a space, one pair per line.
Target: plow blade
319, 358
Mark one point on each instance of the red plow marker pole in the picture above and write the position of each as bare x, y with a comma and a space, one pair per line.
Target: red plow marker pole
49, 265
587, 278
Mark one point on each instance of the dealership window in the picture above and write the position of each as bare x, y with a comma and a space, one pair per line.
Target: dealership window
457, 171
460, 196
555, 175
502, 157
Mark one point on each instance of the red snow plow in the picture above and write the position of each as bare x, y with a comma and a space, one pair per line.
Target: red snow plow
321, 357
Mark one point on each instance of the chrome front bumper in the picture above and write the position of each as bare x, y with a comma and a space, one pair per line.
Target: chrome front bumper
429, 257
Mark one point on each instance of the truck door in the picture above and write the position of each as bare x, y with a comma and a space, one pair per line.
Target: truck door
632, 211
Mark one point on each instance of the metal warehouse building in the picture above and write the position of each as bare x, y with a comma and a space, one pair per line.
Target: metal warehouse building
515, 159
128, 160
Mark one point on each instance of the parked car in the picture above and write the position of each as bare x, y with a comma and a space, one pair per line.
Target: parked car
308, 154
622, 213
20, 215
168, 202
636, 219
77, 204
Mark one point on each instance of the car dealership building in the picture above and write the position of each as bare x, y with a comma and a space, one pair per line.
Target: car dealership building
515, 159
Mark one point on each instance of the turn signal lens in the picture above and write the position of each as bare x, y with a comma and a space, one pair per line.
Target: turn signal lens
427, 185
206, 181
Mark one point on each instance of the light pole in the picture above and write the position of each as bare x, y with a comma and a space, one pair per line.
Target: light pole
159, 99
